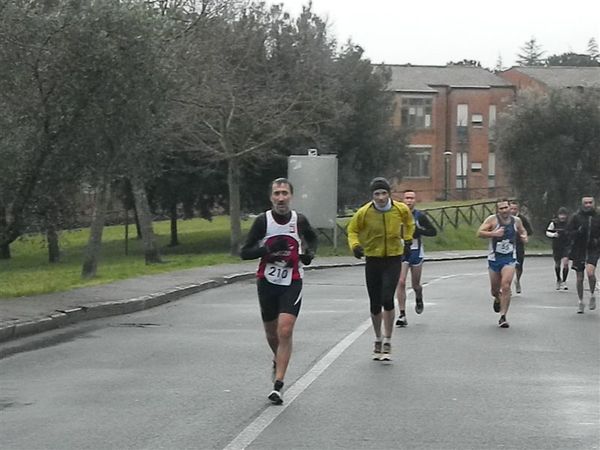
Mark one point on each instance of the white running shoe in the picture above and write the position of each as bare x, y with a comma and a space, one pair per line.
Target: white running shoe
592, 303
558, 285
401, 322
580, 307
377, 351
386, 354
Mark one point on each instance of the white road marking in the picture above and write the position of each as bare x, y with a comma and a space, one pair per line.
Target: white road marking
252, 431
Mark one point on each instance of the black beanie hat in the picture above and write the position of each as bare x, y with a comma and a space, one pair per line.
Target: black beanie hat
379, 183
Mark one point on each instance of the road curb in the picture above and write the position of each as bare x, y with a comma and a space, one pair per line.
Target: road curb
62, 318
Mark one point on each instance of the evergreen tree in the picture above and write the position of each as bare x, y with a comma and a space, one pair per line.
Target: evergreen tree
593, 51
571, 59
499, 64
531, 54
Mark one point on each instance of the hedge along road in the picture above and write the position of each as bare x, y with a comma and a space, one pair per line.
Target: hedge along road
195, 373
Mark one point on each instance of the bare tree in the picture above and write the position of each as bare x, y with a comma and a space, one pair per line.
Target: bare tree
252, 79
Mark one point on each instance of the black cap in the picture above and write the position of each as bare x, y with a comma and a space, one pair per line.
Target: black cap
379, 183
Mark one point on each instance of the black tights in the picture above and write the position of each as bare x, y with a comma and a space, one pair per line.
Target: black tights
382, 276
565, 270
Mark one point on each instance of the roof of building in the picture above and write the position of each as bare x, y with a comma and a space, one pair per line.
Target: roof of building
563, 76
425, 78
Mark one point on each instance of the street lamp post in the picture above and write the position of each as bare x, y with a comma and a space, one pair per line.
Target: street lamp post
447, 156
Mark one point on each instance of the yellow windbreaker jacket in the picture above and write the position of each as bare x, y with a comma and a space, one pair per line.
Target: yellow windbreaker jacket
381, 233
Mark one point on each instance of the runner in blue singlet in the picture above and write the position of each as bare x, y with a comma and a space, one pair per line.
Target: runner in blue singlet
413, 261
502, 230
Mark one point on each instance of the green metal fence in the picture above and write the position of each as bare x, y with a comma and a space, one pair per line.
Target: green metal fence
445, 216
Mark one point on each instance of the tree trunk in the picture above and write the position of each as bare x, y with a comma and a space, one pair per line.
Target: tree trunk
53, 247
51, 222
4, 247
94, 245
5, 251
151, 254
233, 179
173, 213
131, 205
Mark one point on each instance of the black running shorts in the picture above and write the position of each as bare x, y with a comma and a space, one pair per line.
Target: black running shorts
275, 299
580, 262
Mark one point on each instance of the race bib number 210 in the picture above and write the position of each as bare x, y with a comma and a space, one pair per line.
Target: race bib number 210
277, 274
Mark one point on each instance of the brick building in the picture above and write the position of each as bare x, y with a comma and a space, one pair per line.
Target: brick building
542, 79
452, 112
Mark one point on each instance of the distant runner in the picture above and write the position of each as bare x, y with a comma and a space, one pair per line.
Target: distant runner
584, 231
515, 211
413, 260
557, 231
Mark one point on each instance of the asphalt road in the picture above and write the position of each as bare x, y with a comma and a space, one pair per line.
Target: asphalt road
195, 373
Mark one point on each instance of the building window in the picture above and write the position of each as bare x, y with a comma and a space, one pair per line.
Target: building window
462, 161
477, 120
492, 116
492, 123
418, 161
416, 112
462, 115
476, 167
491, 168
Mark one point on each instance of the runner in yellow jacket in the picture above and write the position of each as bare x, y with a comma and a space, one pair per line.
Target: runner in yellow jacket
382, 231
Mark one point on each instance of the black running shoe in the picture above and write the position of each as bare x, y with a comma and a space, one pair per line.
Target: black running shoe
496, 304
401, 322
502, 323
276, 396
419, 306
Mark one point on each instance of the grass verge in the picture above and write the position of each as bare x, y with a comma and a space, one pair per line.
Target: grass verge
202, 243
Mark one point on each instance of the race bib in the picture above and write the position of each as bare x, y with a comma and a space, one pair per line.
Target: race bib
278, 273
505, 247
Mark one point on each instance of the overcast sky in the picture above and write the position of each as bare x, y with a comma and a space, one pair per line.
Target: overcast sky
434, 32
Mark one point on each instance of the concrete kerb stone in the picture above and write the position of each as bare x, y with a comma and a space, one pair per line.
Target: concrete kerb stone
7, 332
63, 318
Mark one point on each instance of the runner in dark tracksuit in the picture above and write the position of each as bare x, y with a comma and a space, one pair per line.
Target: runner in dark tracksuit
557, 231
584, 234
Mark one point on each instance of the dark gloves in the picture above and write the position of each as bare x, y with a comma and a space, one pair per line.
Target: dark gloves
278, 244
407, 245
358, 252
306, 258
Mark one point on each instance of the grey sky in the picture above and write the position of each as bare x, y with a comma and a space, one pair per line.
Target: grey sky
435, 32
